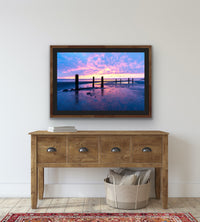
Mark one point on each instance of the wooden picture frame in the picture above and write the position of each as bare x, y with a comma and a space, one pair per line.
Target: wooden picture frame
71, 81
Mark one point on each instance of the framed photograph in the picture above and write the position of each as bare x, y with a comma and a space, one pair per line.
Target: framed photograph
100, 81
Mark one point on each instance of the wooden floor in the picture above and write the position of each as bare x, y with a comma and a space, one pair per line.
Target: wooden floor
92, 205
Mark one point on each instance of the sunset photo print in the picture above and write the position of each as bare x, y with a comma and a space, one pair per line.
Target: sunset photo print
100, 81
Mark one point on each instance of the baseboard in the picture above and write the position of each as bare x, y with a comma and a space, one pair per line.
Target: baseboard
90, 190
184, 190
74, 190
15, 190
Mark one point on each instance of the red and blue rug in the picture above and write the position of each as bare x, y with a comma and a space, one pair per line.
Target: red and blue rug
99, 217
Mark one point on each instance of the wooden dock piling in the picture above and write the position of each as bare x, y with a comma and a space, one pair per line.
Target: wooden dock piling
128, 80
93, 81
102, 82
132, 80
76, 82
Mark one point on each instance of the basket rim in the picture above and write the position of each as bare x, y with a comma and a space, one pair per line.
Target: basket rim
107, 178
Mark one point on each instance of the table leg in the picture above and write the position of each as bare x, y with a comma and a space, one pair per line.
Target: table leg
157, 182
164, 188
164, 173
41, 182
34, 173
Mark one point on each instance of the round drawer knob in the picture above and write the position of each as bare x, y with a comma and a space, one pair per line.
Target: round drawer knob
51, 149
115, 149
146, 149
83, 150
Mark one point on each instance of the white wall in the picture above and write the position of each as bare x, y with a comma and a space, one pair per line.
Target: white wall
28, 27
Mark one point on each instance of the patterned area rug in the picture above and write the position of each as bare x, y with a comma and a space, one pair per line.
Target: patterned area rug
100, 217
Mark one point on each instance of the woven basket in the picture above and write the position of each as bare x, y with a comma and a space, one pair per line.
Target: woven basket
127, 196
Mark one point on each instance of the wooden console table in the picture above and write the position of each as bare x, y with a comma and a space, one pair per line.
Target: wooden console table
99, 149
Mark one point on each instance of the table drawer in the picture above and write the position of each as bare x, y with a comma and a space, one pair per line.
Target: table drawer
83, 149
51, 149
115, 149
147, 149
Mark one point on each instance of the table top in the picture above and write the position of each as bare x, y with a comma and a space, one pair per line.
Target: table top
102, 132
